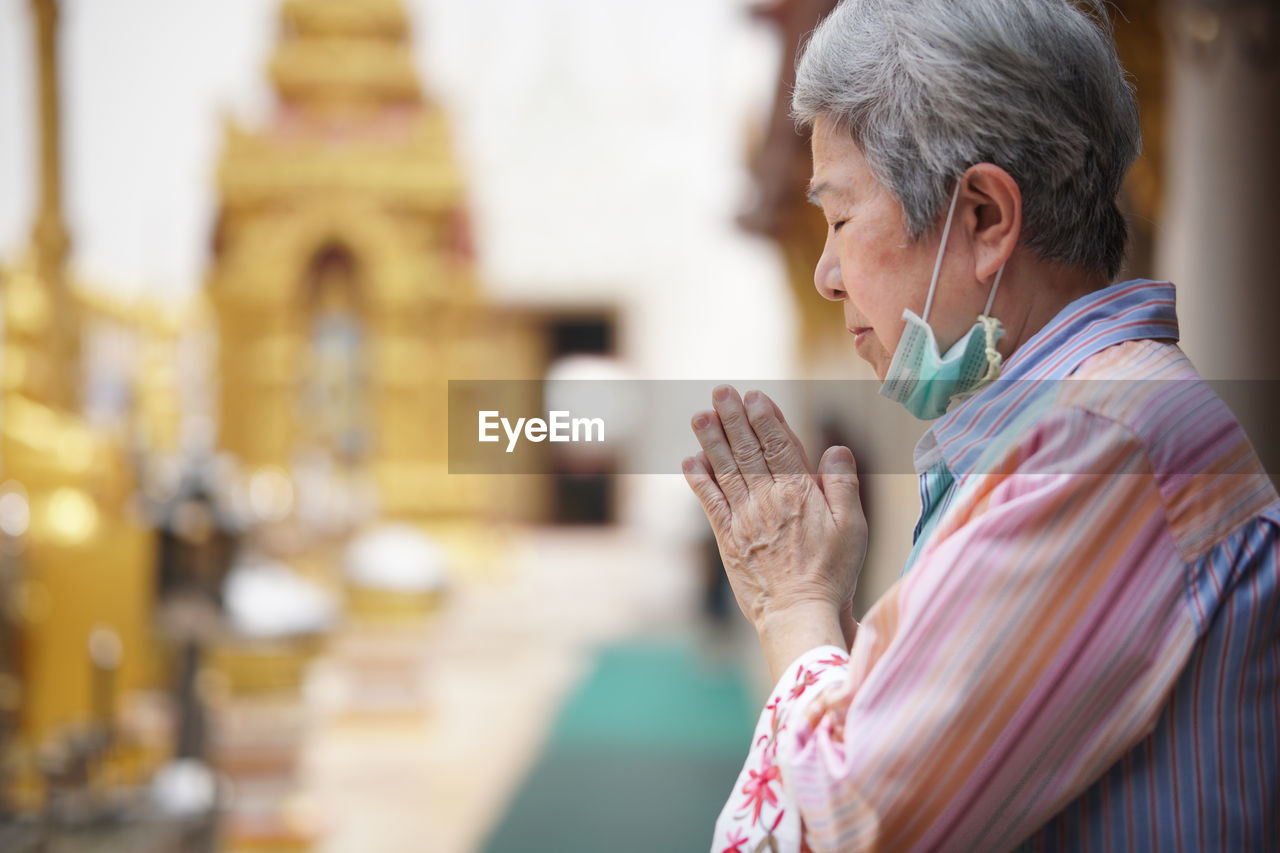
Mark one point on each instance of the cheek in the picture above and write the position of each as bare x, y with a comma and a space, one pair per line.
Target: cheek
880, 293
875, 257
890, 283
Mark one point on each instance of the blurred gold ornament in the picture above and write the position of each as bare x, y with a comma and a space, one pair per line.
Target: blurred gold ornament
263, 666
342, 280
27, 306
69, 517
343, 17
65, 500
344, 70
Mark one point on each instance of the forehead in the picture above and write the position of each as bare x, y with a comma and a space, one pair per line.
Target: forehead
839, 168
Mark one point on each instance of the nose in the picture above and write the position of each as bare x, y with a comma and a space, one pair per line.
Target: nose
826, 276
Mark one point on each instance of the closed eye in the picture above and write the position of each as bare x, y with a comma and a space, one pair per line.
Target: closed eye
835, 226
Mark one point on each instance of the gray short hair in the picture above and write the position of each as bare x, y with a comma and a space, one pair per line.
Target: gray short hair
928, 88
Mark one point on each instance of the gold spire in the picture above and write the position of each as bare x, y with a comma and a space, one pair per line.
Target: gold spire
50, 234
376, 18
41, 353
344, 53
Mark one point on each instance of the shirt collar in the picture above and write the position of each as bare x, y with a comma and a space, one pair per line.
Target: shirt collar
1128, 311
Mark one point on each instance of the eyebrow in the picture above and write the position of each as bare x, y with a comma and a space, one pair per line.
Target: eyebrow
815, 192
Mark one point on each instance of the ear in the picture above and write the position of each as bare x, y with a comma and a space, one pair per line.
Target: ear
991, 206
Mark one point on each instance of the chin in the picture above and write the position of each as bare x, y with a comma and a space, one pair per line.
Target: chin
880, 367
875, 355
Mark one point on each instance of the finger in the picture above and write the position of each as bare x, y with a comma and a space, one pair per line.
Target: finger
702, 460
707, 429
837, 725
703, 482
821, 706
833, 703
782, 453
790, 432
743, 441
838, 474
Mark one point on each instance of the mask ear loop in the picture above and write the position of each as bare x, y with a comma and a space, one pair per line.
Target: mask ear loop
991, 328
942, 248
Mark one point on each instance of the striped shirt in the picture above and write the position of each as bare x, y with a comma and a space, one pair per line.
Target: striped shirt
1084, 653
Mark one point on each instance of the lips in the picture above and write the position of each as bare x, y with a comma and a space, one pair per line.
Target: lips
859, 333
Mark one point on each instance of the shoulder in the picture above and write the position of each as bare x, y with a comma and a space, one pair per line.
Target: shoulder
1204, 466
1147, 387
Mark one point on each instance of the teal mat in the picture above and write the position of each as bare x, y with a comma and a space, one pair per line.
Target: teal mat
641, 758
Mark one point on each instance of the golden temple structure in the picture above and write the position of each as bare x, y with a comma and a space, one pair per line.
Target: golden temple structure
78, 560
342, 281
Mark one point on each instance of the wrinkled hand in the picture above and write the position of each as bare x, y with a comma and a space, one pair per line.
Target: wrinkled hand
793, 540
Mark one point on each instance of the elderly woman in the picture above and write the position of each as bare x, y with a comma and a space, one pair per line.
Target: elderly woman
1084, 648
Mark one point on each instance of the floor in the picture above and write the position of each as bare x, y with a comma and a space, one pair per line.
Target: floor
568, 695
641, 756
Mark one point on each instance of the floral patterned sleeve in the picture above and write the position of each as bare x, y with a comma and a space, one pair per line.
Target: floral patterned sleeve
759, 814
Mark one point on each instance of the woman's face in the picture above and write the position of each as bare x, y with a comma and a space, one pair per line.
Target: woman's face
868, 261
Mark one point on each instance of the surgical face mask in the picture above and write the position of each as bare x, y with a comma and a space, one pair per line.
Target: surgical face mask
924, 380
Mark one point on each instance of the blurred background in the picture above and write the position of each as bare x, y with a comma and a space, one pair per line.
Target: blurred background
245, 245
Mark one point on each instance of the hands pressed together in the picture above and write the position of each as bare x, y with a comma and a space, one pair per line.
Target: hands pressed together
793, 539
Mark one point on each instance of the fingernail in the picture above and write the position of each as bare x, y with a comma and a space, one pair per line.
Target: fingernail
687, 465
751, 397
701, 421
720, 393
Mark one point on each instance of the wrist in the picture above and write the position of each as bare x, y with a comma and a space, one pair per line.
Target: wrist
848, 625
789, 632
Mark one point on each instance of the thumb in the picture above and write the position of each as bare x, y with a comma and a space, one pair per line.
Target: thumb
838, 475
